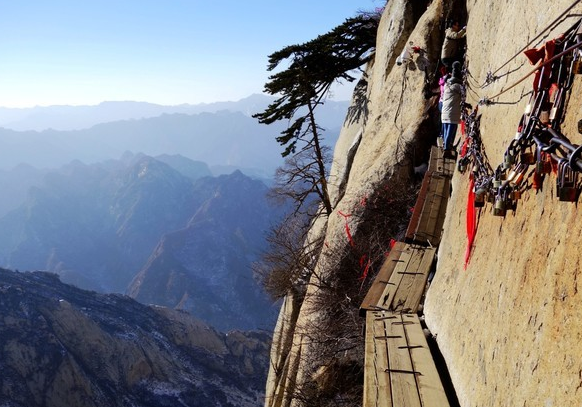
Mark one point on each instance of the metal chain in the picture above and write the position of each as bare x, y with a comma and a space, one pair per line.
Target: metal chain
491, 75
538, 142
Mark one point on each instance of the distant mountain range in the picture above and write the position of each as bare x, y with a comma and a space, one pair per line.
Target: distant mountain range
223, 135
64, 118
97, 225
176, 226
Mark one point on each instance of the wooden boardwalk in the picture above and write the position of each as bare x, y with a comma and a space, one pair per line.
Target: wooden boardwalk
426, 223
399, 367
401, 282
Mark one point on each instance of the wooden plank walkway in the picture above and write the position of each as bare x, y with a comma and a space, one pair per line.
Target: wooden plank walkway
408, 281
426, 223
401, 282
437, 163
429, 228
376, 291
399, 369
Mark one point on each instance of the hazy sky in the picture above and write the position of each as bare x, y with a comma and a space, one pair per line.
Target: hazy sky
168, 52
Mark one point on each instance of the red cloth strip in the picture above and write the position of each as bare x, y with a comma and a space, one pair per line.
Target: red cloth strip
471, 221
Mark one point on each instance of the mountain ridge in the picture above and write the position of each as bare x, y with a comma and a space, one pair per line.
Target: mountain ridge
66, 117
60, 345
223, 138
97, 226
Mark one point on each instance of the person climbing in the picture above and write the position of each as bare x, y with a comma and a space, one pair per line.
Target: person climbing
450, 50
451, 110
442, 80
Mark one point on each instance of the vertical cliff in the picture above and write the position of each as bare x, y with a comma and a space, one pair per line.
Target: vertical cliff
507, 325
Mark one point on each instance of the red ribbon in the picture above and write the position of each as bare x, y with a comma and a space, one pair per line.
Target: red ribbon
471, 221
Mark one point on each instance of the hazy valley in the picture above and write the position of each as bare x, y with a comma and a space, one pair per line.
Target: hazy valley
165, 205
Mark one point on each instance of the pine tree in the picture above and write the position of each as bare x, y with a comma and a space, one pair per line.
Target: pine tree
313, 68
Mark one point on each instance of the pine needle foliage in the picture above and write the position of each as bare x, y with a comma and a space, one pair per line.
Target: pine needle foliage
312, 69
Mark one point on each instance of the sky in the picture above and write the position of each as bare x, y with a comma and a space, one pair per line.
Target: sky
84, 52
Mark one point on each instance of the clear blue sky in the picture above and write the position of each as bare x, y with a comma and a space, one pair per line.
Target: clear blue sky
83, 52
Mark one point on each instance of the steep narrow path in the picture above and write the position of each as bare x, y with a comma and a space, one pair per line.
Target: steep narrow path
399, 367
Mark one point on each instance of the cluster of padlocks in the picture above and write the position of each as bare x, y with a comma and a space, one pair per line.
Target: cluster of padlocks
538, 142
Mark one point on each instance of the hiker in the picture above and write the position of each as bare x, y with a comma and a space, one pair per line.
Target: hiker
450, 51
442, 80
451, 110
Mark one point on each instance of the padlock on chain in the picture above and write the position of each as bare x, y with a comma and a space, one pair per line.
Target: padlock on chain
566, 183
508, 160
527, 157
556, 104
462, 164
515, 177
480, 195
543, 163
499, 208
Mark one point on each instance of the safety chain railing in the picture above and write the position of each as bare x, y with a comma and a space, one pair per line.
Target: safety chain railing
492, 77
538, 142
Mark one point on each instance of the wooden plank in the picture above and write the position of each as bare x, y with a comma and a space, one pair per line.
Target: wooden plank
429, 229
434, 202
432, 393
396, 278
399, 368
382, 279
431, 208
415, 297
421, 230
424, 227
403, 378
438, 164
376, 381
443, 193
448, 167
435, 162
436, 210
443, 207
417, 211
407, 285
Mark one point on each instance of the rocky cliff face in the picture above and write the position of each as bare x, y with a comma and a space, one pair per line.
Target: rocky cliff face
62, 346
507, 325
